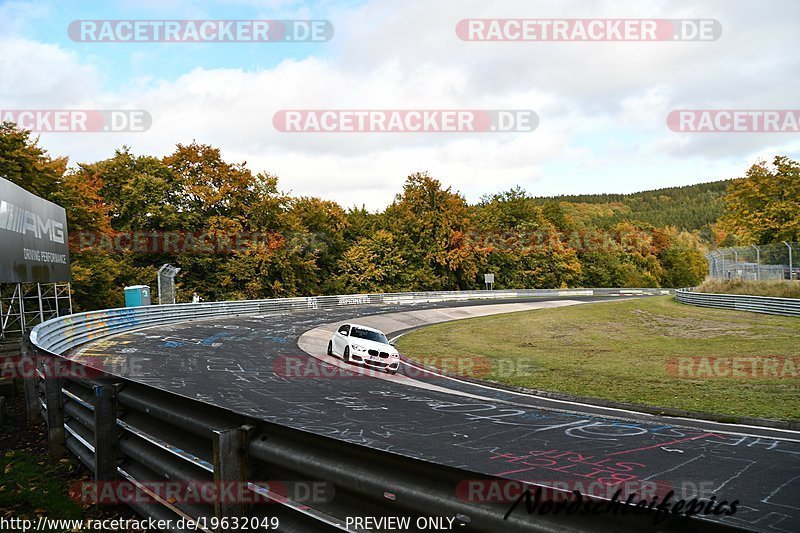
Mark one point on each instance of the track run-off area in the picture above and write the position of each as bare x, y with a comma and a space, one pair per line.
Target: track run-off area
273, 367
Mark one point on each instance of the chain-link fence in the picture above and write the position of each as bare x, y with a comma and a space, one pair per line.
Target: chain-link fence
768, 262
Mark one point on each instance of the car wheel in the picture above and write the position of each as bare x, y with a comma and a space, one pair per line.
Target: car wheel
392, 372
346, 354
330, 347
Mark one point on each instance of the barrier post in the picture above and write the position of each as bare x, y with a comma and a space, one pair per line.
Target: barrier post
54, 401
231, 466
105, 431
28, 362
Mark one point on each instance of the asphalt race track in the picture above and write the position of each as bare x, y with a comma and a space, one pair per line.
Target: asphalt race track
246, 364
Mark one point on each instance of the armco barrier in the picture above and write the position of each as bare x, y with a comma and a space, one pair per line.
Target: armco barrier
129, 432
739, 302
61, 334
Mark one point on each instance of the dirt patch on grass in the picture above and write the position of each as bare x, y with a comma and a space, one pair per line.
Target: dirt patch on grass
690, 327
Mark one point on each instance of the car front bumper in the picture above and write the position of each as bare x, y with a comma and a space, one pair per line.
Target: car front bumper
377, 363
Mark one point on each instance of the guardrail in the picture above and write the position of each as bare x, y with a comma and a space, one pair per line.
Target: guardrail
61, 334
739, 302
130, 432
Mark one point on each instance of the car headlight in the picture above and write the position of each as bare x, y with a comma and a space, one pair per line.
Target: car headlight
359, 348
395, 355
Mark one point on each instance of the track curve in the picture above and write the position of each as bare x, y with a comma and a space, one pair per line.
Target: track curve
248, 364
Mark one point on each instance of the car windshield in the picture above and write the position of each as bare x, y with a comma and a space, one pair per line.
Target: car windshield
376, 336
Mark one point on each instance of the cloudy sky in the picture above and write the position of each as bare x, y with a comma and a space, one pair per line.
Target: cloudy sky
602, 106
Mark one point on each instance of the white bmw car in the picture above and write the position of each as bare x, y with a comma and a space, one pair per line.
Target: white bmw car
363, 345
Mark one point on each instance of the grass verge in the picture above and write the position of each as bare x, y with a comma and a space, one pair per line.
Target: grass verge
626, 351
33, 485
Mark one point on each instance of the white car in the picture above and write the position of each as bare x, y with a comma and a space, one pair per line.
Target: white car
367, 346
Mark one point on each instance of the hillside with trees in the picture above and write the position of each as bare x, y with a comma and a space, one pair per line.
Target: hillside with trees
689, 208
236, 234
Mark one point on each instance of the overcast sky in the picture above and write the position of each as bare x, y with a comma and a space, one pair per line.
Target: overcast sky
602, 106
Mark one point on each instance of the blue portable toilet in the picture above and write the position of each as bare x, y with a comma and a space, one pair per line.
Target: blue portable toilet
137, 295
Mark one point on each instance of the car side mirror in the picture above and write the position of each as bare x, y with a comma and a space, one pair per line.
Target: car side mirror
391, 343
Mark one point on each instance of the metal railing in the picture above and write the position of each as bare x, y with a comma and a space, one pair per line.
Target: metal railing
739, 302
123, 430
58, 336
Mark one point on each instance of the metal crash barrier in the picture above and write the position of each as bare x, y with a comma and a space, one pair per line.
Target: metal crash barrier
741, 302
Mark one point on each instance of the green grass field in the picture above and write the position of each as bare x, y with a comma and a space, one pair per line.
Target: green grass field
622, 351
34, 485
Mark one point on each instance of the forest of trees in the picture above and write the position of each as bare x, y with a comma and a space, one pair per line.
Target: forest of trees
690, 208
236, 235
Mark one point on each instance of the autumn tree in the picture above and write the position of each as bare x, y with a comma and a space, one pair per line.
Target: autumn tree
24, 162
511, 209
683, 260
212, 192
374, 264
520, 246
97, 270
430, 224
320, 231
555, 214
623, 255
764, 206
141, 192
361, 223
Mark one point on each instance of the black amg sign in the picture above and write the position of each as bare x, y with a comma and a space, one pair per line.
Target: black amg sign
33, 238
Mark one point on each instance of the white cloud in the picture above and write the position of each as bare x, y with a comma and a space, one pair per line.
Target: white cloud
40, 75
602, 105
